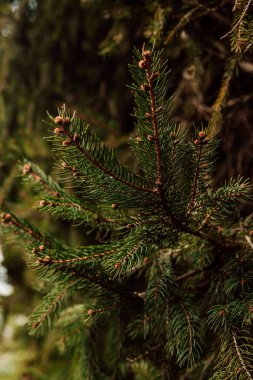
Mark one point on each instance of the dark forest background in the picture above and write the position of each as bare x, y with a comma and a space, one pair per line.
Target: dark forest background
77, 52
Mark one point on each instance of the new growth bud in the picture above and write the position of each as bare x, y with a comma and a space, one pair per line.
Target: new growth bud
58, 120
6, 217
27, 168
43, 203
58, 130
151, 138
142, 64
144, 87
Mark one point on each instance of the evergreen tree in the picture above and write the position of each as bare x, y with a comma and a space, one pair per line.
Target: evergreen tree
166, 292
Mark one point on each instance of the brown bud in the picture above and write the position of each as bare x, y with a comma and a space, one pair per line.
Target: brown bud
144, 87
66, 121
42, 247
151, 138
146, 54
43, 203
6, 217
173, 135
64, 165
58, 120
27, 168
138, 138
35, 324
147, 114
251, 232
130, 225
34, 250
117, 265
45, 259
197, 142
146, 260
66, 142
58, 130
221, 312
142, 64
90, 312
202, 134
115, 206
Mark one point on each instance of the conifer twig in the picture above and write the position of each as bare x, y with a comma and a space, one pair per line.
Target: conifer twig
159, 176
52, 305
195, 181
130, 253
48, 260
9, 220
240, 357
189, 327
27, 169
104, 169
240, 19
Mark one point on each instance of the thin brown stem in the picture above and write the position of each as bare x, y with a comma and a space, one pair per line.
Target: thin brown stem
189, 327
26, 230
52, 305
189, 274
159, 177
76, 259
44, 184
240, 19
240, 357
195, 181
124, 259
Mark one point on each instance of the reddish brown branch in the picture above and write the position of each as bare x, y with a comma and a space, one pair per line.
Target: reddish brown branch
104, 169
195, 181
159, 177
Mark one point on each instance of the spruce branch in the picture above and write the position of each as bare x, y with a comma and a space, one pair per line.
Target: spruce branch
150, 77
172, 249
79, 139
39, 176
46, 312
199, 143
238, 23
244, 366
21, 227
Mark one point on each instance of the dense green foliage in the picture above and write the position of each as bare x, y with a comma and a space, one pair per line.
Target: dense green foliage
167, 287
77, 53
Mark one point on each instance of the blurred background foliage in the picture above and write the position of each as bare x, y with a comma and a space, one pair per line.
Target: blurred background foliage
76, 52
